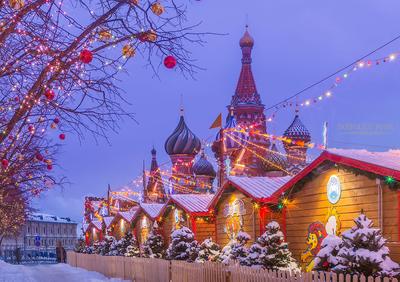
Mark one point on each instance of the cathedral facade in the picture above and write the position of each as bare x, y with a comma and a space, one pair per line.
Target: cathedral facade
241, 148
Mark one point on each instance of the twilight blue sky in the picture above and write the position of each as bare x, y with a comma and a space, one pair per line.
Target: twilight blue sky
296, 44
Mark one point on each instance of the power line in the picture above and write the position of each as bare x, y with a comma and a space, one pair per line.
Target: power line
335, 73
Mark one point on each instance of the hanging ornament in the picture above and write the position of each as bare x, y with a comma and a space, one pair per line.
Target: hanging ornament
50, 94
16, 4
4, 163
86, 56
134, 2
49, 167
48, 161
62, 136
151, 36
128, 51
56, 120
157, 8
169, 62
53, 125
39, 157
105, 35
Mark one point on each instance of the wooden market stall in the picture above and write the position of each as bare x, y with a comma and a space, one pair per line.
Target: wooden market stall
335, 188
190, 210
243, 204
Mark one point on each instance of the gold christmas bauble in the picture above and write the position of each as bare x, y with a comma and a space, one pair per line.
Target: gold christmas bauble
105, 35
157, 8
53, 125
17, 4
134, 2
128, 51
151, 35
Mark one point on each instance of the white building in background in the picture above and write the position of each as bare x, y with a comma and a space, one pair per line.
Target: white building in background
39, 236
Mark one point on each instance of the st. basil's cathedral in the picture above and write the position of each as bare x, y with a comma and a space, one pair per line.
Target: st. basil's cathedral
238, 152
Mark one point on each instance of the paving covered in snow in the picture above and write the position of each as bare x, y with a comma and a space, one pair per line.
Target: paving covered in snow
49, 273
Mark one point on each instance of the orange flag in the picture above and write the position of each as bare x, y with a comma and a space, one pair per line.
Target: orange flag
217, 122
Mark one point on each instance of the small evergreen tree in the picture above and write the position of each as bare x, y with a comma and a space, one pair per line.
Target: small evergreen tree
235, 250
365, 252
80, 246
326, 258
208, 251
255, 255
130, 246
111, 246
276, 251
183, 245
154, 245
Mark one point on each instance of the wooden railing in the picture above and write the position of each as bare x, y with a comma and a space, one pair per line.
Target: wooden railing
159, 270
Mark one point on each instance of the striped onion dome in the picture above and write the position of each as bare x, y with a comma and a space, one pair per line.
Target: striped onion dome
182, 141
275, 160
297, 131
203, 167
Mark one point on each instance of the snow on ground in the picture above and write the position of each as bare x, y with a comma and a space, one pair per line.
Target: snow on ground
49, 273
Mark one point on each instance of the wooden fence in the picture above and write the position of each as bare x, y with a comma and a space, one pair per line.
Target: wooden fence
159, 270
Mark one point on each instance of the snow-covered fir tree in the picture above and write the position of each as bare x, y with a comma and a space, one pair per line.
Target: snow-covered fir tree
255, 255
208, 251
154, 245
80, 246
276, 254
183, 245
365, 252
129, 246
111, 246
326, 259
235, 250
98, 247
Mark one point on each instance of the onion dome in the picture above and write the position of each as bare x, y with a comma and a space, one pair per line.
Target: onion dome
203, 167
297, 131
182, 141
275, 160
246, 40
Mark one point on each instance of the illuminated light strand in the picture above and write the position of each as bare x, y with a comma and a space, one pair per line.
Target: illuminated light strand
328, 93
266, 149
261, 157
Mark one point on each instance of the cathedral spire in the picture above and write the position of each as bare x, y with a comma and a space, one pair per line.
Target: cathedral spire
246, 91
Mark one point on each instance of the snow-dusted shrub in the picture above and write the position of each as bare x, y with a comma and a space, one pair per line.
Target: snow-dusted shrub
326, 259
154, 245
183, 245
236, 250
129, 246
208, 251
365, 252
270, 251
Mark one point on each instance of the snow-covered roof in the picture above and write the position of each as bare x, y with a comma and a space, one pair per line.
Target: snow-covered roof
193, 203
131, 214
258, 187
152, 210
96, 224
389, 159
380, 163
108, 220
49, 218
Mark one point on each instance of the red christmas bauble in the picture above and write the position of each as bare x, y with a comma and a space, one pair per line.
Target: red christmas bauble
86, 56
49, 167
56, 120
169, 62
39, 157
50, 94
4, 163
62, 136
31, 128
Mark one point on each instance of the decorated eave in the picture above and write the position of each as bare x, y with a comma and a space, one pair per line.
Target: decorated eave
96, 224
385, 164
193, 204
153, 211
108, 220
128, 216
85, 227
260, 189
